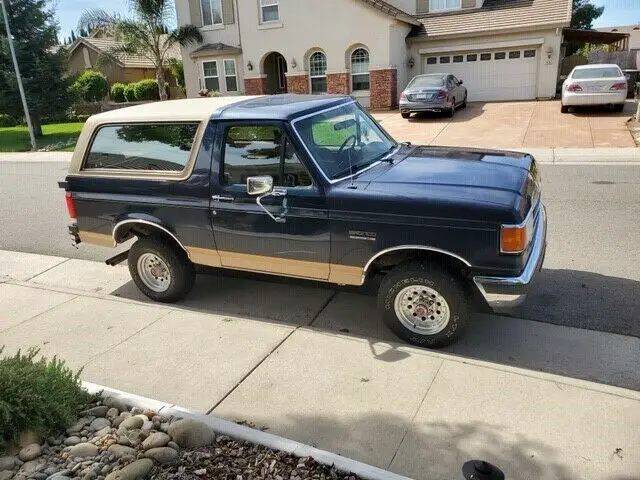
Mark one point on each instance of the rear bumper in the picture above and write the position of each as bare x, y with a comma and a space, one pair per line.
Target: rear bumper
410, 107
570, 99
505, 293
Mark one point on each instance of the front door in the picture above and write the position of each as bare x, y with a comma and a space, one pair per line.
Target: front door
247, 237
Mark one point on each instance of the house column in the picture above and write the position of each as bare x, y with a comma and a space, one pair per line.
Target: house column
298, 83
338, 83
384, 88
255, 85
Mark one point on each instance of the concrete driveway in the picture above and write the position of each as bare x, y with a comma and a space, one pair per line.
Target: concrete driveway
515, 125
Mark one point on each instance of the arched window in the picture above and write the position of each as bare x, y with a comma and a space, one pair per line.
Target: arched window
318, 72
360, 69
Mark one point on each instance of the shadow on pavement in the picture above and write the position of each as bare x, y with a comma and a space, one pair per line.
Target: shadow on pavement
563, 297
462, 114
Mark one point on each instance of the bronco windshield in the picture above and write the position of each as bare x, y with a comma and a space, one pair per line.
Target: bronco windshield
344, 140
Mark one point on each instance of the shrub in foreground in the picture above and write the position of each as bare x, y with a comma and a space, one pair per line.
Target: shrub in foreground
147, 90
130, 92
117, 92
42, 395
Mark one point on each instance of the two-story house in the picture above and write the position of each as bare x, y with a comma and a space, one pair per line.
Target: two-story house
501, 49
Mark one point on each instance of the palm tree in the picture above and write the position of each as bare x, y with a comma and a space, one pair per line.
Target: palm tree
144, 34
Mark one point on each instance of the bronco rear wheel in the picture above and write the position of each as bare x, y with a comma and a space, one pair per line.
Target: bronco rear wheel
405, 114
424, 304
161, 271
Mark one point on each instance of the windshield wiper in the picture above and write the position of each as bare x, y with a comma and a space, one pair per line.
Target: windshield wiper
388, 156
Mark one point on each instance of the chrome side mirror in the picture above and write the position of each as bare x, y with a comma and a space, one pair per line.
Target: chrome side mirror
259, 185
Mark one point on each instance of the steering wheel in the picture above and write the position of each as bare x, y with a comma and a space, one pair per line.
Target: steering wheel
350, 138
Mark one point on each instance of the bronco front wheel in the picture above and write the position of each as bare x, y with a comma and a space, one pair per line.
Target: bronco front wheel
161, 271
424, 304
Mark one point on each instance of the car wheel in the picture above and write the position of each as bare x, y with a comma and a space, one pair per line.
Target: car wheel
564, 109
405, 114
161, 271
618, 107
452, 111
464, 102
424, 304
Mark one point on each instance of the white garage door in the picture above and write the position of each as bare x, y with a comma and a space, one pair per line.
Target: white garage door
508, 74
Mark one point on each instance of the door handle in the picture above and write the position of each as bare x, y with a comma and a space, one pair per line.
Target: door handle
220, 198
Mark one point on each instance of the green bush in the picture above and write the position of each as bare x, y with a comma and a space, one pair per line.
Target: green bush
7, 120
130, 92
147, 90
90, 86
177, 69
42, 395
117, 92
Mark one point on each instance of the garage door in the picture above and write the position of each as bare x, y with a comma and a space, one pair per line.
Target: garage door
490, 75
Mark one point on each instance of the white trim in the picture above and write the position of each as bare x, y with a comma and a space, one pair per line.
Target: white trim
204, 77
211, 8
482, 46
352, 75
235, 75
311, 77
274, 3
270, 25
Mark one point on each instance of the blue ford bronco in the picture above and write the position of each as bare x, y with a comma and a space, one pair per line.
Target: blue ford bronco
309, 187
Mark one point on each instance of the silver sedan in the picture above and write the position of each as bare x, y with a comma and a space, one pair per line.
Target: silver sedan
435, 92
590, 85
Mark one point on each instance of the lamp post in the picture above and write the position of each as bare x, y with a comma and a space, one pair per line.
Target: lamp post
18, 77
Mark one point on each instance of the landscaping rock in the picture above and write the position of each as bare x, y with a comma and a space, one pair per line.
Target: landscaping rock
58, 476
32, 466
102, 433
83, 450
162, 454
28, 438
30, 452
100, 411
116, 403
7, 463
71, 441
78, 426
133, 471
156, 440
131, 423
124, 440
112, 413
6, 474
147, 426
121, 450
191, 433
173, 445
99, 424
150, 413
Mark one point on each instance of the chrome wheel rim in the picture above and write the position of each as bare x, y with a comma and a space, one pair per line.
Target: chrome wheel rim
154, 272
422, 309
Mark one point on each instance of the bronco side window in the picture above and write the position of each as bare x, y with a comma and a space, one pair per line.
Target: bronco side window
253, 150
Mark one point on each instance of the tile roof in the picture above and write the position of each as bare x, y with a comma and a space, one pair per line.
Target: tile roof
496, 15
632, 30
393, 11
215, 49
131, 61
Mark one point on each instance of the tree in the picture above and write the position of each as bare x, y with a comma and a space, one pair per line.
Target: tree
73, 36
584, 13
144, 35
42, 63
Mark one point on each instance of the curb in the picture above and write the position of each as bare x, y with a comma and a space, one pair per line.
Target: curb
241, 432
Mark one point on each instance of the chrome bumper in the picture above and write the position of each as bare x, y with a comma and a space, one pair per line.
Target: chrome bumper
504, 293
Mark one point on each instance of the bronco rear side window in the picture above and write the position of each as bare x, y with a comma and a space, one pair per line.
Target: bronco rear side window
162, 147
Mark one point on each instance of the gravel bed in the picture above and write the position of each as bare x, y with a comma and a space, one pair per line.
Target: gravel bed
111, 441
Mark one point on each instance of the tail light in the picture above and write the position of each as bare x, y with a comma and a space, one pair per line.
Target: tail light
574, 87
619, 86
403, 96
71, 205
443, 94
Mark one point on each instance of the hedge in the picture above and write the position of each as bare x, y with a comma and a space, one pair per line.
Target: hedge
130, 93
90, 86
117, 92
147, 90
7, 120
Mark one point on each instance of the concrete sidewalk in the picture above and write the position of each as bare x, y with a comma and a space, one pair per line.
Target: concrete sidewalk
278, 364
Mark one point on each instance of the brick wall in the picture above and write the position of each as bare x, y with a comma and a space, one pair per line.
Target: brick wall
338, 83
384, 89
255, 86
298, 84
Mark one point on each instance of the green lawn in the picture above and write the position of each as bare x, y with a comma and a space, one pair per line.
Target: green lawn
16, 139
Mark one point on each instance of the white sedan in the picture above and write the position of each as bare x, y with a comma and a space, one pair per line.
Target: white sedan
590, 85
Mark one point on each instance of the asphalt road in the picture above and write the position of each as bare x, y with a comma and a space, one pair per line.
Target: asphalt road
591, 277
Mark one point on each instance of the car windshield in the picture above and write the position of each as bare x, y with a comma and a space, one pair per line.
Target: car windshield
602, 72
344, 140
427, 81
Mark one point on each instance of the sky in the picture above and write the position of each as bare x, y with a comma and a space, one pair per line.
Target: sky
616, 12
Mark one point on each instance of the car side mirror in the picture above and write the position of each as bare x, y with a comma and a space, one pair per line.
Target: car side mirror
460, 82
259, 185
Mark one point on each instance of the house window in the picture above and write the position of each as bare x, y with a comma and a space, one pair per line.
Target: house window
458, 58
529, 53
432, 60
485, 56
444, 5
472, 58
360, 69
500, 55
211, 12
318, 72
513, 55
445, 59
210, 76
230, 77
269, 11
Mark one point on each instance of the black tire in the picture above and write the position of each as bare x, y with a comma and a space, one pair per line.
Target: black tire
444, 283
452, 111
405, 115
464, 102
182, 271
618, 107
564, 109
